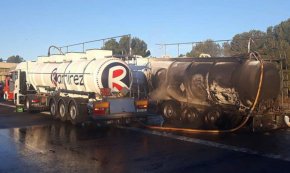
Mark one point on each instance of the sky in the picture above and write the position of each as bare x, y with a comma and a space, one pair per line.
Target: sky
29, 27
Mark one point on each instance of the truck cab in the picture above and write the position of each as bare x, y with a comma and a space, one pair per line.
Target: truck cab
8, 87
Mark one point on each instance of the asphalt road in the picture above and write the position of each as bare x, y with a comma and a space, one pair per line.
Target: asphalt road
36, 143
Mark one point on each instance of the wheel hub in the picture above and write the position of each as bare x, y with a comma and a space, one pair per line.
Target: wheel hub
62, 110
169, 112
27, 104
52, 109
73, 112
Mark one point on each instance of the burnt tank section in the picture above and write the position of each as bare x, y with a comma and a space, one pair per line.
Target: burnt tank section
202, 90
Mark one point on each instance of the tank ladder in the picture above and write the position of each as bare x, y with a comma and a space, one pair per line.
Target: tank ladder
284, 72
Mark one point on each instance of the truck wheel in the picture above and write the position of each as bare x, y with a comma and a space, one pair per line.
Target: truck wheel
15, 99
28, 106
5, 96
62, 110
171, 110
212, 116
73, 113
192, 116
52, 109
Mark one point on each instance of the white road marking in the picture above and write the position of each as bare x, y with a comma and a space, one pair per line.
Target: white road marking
46, 113
209, 143
11, 106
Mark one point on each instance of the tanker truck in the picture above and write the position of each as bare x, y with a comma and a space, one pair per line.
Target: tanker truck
213, 92
78, 87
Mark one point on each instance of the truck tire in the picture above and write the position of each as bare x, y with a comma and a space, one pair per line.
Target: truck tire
28, 105
171, 110
5, 96
73, 112
15, 99
192, 116
212, 117
77, 111
62, 110
53, 109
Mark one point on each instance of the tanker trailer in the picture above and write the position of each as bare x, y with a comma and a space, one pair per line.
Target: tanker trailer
214, 93
78, 87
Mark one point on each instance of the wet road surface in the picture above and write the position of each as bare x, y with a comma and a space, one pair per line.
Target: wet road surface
36, 143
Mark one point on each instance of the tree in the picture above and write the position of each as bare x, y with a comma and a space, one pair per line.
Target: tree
273, 43
181, 55
113, 45
280, 35
282, 31
124, 45
207, 47
138, 46
15, 59
1, 60
226, 49
239, 43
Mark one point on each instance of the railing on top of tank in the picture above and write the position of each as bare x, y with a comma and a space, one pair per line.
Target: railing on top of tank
66, 47
239, 43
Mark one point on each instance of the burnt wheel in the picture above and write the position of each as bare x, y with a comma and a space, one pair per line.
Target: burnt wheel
192, 116
62, 110
171, 110
212, 116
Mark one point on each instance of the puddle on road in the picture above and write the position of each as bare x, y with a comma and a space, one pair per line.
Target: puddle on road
62, 147
57, 134
88, 148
